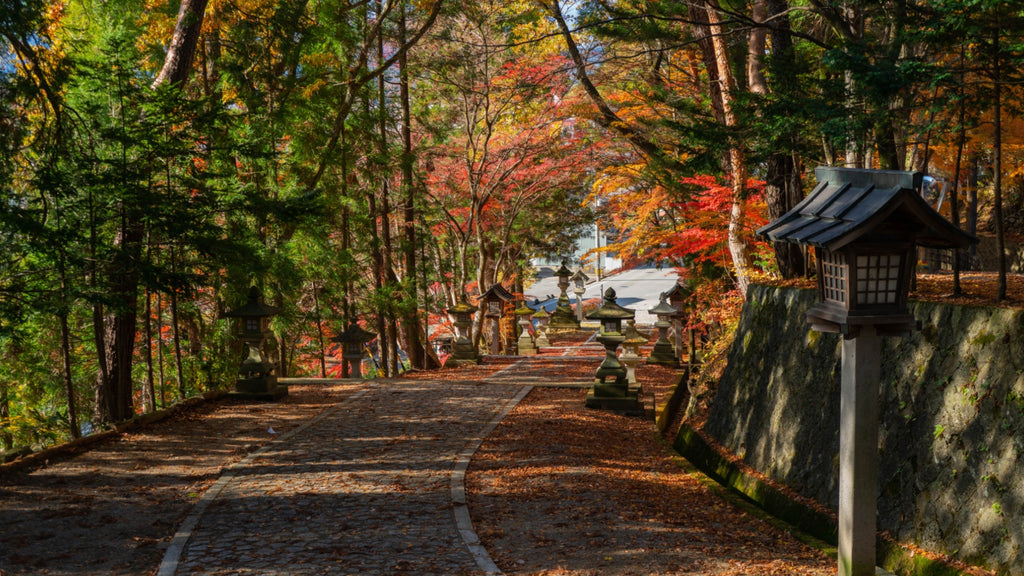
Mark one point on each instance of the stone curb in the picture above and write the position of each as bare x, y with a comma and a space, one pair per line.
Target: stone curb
30, 459
169, 564
460, 506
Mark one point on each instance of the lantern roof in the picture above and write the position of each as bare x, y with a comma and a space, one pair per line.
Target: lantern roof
523, 309
462, 307
663, 307
580, 276
541, 313
683, 290
563, 271
354, 333
253, 307
609, 310
497, 292
848, 204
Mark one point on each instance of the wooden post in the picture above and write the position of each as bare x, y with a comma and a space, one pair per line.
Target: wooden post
496, 335
858, 453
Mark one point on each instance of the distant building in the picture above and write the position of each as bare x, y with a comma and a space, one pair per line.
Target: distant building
597, 264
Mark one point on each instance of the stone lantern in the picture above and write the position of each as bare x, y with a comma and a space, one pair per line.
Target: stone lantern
542, 317
615, 395
678, 298
493, 304
579, 281
463, 351
630, 356
663, 353
863, 225
525, 345
563, 317
255, 378
353, 347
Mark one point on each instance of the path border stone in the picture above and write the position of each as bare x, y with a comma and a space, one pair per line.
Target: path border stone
460, 506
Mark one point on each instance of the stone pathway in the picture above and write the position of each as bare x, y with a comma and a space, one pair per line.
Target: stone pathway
370, 491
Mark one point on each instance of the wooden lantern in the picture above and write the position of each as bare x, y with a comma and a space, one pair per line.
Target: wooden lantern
864, 225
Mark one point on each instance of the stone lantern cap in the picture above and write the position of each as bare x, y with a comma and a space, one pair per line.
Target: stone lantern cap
354, 334
850, 205
462, 307
523, 310
663, 308
609, 310
563, 271
253, 307
541, 313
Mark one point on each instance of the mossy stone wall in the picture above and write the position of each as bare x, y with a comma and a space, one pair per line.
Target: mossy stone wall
951, 438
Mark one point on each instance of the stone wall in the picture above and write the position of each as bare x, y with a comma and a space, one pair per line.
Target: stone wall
952, 408
988, 255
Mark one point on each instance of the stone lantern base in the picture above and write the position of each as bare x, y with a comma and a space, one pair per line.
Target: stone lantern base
255, 381
525, 346
616, 399
463, 354
259, 388
663, 354
560, 326
612, 389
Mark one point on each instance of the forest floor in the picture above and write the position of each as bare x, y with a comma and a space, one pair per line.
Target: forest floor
556, 489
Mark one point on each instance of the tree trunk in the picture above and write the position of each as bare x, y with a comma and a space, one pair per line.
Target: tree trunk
411, 321
382, 259
115, 389
756, 47
699, 14
181, 50
69, 385
347, 312
737, 166
6, 439
65, 345
120, 321
149, 391
160, 347
320, 331
100, 402
997, 167
954, 198
782, 179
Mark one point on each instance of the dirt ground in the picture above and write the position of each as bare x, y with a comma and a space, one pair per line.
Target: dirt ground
592, 493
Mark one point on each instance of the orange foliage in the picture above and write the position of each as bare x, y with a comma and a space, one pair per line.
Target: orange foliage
658, 226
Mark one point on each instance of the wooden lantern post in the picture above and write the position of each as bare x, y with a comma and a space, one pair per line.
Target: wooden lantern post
863, 225
492, 303
579, 281
678, 297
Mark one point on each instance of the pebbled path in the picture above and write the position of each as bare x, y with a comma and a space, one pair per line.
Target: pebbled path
371, 491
